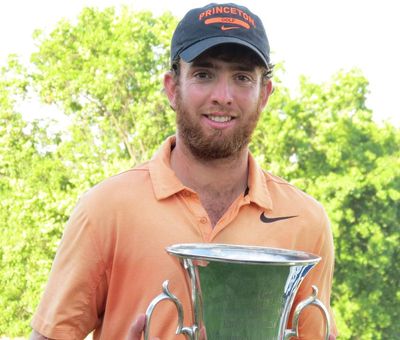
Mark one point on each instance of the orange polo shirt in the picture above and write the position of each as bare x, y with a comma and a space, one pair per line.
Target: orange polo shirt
112, 261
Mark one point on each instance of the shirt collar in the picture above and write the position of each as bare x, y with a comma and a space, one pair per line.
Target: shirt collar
165, 182
257, 183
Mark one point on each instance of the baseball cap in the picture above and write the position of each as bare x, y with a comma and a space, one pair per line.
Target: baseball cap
215, 24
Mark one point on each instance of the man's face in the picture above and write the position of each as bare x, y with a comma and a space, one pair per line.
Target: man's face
218, 104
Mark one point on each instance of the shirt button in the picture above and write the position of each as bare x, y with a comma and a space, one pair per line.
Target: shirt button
203, 220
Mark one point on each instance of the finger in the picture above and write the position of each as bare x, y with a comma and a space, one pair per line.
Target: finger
136, 330
203, 333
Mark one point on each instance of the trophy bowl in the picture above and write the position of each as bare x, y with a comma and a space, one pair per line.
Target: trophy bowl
240, 292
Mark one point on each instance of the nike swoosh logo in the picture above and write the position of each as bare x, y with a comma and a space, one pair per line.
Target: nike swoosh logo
225, 28
267, 219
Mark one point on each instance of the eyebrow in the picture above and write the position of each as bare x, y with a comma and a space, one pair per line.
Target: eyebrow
202, 63
234, 65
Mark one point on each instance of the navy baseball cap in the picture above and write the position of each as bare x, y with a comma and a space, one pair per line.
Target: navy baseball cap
215, 24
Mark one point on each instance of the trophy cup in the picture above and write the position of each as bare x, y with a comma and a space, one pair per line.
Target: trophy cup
240, 292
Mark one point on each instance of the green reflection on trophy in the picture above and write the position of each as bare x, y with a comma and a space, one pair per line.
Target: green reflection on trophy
241, 292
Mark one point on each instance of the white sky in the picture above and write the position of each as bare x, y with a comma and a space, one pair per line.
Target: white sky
313, 37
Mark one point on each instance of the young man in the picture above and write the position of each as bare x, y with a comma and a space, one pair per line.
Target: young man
202, 186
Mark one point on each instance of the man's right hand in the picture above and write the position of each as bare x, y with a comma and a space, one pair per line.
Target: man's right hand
137, 328
37, 336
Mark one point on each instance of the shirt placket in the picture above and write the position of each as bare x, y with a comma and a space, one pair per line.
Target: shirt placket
229, 216
201, 219
199, 214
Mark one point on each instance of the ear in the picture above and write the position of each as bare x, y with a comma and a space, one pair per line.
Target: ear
170, 88
266, 90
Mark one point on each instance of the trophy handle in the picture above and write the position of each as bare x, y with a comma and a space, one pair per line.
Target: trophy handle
191, 333
312, 300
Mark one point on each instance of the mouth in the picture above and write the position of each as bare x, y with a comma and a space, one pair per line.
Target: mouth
220, 119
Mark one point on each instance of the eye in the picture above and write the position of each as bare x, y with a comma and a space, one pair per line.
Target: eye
244, 78
202, 75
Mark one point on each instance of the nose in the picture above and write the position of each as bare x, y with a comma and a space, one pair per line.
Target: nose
222, 92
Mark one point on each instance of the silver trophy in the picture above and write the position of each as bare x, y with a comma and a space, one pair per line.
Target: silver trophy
241, 292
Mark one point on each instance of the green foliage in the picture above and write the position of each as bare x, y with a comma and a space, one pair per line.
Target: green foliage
104, 72
24, 192
326, 142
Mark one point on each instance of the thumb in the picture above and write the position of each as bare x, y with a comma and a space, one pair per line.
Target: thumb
137, 328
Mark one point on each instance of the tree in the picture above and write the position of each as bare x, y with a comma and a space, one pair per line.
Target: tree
97, 72
106, 71
326, 142
31, 211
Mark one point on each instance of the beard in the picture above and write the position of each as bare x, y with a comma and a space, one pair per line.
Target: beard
214, 145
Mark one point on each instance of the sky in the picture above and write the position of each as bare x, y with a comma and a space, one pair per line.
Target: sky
315, 38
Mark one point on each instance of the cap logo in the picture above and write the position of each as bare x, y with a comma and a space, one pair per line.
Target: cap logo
245, 21
224, 20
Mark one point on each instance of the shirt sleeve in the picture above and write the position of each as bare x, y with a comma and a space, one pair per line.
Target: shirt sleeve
312, 322
73, 300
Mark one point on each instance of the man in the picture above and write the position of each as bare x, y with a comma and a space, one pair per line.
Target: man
202, 186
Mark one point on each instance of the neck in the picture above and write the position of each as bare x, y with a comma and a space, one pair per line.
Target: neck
218, 182
219, 174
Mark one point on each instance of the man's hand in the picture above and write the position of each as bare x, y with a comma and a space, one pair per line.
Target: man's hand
37, 336
137, 328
